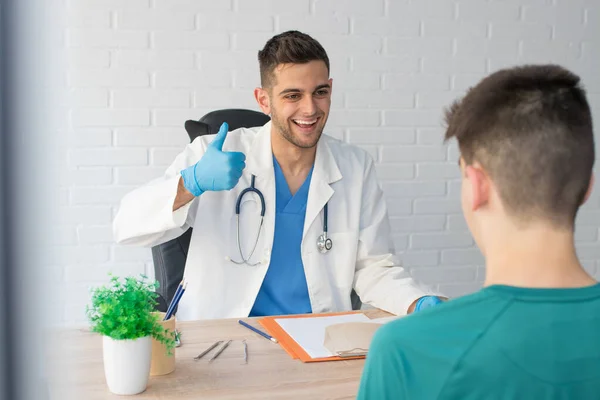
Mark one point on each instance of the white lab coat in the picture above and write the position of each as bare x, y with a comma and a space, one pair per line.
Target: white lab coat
362, 256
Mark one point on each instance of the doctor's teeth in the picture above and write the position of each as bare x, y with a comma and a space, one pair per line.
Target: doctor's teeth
305, 122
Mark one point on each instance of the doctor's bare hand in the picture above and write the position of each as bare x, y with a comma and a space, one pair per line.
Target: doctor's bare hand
217, 169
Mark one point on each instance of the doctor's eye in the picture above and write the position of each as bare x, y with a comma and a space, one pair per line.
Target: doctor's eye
322, 92
292, 96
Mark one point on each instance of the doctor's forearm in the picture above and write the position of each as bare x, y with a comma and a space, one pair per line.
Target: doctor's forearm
183, 196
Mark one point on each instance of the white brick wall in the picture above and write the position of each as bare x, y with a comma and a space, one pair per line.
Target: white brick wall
137, 69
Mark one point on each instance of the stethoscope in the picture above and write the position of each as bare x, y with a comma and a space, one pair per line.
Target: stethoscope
324, 243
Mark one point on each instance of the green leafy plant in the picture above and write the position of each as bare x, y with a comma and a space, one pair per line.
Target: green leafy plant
123, 309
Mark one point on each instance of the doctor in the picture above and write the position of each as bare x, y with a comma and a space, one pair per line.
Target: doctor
313, 225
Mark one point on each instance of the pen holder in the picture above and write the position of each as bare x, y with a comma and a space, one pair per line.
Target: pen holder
162, 363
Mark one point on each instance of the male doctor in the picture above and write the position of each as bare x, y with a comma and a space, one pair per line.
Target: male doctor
325, 229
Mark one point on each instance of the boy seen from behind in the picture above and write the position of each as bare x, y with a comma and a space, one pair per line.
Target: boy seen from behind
533, 332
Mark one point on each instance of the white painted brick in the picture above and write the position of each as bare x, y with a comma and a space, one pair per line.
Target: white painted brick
100, 157
219, 98
521, 30
413, 223
379, 99
248, 79
417, 47
383, 63
586, 234
416, 82
457, 223
473, 47
383, 136
86, 176
434, 65
167, 40
462, 257
553, 15
151, 137
577, 33
137, 175
390, 172
131, 98
413, 118
486, 11
433, 275
275, 7
107, 38
463, 29
108, 78
211, 60
100, 273
98, 195
192, 79
62, 236
412, 153
249, 41
434, 206
78, 254
421, 258
453, 152
88, 97
437, 100
107, 5
87, 58
422, 9
400, 242
176, 117
385, 27
371, 149
234, 22
152, 60
439, 240
414, 189
88, 18
95, 234
128, 254
317, 24
354, 118
108, 117
430, 135
351, 44
438, 171
452, 290
463, 82
375, 8
163, 156
588, 251
155, 20
91, 137
357, 80
74, 215
398, 207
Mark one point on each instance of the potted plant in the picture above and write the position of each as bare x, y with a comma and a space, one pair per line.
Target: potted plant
122, 312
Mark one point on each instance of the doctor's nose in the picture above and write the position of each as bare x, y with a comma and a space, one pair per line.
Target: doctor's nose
308, 106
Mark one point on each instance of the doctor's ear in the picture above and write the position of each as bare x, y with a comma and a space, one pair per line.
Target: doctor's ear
262, 98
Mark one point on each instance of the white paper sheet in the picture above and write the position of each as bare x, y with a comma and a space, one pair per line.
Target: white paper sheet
309, 332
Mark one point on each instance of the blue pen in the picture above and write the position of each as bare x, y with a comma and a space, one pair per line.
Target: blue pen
175, 302
172, 303
261, 333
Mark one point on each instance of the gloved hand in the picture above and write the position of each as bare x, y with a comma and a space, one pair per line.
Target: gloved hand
427, 302
217, 169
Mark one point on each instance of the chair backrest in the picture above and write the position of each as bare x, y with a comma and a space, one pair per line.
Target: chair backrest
169, 257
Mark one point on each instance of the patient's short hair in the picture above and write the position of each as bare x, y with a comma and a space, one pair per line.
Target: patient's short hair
530, 127
291, 47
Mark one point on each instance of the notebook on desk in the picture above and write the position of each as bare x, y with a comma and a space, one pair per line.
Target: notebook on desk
322, 337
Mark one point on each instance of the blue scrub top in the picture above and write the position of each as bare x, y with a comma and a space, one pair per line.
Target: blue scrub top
284, 289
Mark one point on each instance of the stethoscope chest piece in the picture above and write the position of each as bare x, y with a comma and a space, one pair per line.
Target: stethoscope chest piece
324, 244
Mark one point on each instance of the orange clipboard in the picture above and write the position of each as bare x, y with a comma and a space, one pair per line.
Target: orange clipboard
291, 346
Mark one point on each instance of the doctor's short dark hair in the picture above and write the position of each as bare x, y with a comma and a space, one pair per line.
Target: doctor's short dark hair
291, 47
530, 127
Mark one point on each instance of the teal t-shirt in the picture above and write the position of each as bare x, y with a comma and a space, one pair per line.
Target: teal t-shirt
502, 342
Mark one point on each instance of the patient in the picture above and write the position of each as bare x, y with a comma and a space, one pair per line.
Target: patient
533, 332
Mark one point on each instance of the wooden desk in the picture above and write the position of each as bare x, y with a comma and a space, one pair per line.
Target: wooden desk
78, 372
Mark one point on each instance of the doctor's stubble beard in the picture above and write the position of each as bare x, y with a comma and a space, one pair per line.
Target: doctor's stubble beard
285, 131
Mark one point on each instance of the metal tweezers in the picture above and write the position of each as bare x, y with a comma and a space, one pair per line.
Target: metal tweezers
220, 351
205, 352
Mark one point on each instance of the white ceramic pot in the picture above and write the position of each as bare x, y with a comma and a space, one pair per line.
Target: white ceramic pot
127, 364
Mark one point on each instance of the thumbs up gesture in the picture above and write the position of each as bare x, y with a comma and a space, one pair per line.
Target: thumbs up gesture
217, 169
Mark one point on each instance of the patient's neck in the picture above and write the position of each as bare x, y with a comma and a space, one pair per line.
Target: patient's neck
538, 256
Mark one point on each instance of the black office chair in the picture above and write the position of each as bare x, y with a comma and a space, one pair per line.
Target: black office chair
169, 257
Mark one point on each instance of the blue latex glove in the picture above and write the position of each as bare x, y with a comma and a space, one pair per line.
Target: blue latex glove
427, 302
217, 169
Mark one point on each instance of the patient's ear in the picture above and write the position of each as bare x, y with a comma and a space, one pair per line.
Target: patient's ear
589, 189
479, 185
